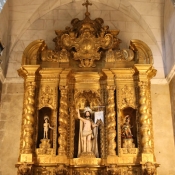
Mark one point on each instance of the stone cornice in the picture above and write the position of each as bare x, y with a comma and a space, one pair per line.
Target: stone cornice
171, 74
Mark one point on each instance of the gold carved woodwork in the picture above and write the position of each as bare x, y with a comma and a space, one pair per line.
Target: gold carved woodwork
63, 122
61, 170
72, 130
111, 122
46, 96
87, 66
145, 126
31, 53
143, 52
25, 169
149, 168
45, 147
146, 72
28, 72
127, 96
119, 55
113, 170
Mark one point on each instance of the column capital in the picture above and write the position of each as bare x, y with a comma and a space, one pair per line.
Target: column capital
28, 71
145, 71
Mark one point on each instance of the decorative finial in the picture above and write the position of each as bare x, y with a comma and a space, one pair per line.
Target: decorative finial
87, 3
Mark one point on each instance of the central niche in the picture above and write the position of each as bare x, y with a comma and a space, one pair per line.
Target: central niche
88, 124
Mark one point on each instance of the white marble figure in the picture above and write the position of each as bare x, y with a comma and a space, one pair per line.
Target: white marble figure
88, 134
46, 126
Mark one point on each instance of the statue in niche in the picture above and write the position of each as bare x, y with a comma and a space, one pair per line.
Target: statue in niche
87, 135
126, 128
46, 126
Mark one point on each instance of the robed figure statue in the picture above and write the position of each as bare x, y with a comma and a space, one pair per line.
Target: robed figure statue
88, 133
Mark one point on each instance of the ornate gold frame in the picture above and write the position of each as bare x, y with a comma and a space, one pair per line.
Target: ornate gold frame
87, 64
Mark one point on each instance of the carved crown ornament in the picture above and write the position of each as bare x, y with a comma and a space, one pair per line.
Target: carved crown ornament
87, 41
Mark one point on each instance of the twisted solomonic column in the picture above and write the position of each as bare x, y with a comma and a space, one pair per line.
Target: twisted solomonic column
111, 122
29, 119
63, 122
144, 118
29, 73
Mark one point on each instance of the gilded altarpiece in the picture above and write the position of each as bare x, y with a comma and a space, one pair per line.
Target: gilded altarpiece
89, 73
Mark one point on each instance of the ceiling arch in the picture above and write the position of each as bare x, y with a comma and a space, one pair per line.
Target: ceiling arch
123, 6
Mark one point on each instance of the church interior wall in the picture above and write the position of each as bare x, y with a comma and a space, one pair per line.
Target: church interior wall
169, 28
163, 128
4, 36
10, 126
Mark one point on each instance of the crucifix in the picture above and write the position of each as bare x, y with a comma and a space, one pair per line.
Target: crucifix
86, 4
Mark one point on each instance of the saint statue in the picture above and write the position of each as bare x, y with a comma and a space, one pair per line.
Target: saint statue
126, 128
46, 126
87, 134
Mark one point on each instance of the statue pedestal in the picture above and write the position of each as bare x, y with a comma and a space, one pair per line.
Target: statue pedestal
87, 154
128, 143
45, 147
128, 147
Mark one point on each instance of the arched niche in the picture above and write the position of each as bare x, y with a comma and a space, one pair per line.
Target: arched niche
42, 113
92, 100
129, 122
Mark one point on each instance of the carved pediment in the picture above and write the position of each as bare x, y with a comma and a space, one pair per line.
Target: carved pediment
86, 40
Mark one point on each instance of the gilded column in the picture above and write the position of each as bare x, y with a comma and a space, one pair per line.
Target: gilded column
146, 72
72, 131
28, 73
111, 122
63, 122
144, 118
110, 117
63, 114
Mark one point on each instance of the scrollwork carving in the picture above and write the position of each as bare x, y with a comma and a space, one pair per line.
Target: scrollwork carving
25, 169
127, 96
82, 97
61, 170
46, 96
113, 170
54, 55
119, 55
149, 168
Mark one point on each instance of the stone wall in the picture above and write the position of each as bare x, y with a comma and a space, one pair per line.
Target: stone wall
10, 126
4, 34
163, 129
